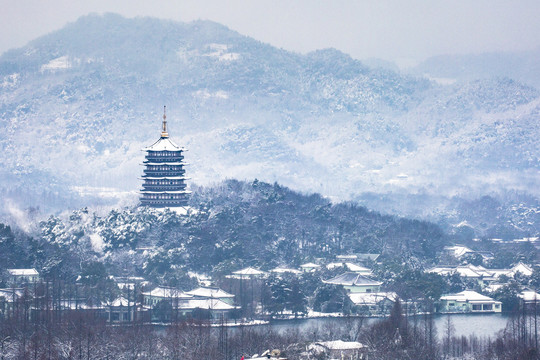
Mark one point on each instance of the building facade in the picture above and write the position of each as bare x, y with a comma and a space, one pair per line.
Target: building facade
468, 302
164, 174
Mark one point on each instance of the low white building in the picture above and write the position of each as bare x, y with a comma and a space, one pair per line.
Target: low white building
530, 298
468, 301
18, 277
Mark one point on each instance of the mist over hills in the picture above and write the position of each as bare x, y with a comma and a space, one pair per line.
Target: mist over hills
521, 66
77, 105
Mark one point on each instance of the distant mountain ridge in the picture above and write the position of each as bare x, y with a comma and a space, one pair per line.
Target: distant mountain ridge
521, 66
77, 105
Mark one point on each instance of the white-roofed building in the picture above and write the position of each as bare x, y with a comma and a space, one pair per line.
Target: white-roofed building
530, 298
355, 283
522, 269
207, 292
19, 277
121, 310
469, 272
165, 293
481, 274
458, 251
375, 303
468, 301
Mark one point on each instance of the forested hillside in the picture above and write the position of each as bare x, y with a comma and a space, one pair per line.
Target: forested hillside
231, 225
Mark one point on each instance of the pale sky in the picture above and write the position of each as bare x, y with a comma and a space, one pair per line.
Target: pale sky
401, 31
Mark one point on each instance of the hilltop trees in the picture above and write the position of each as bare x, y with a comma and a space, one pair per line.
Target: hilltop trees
234, 224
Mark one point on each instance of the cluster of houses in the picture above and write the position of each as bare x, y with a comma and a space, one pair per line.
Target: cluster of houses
165, 304
204, 302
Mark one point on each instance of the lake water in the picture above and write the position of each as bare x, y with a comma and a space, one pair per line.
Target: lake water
481, 325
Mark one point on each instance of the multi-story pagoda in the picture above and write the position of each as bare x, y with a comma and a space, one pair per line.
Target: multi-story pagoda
164, 174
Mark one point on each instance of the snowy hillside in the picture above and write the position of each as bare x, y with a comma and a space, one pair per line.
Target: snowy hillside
77, 105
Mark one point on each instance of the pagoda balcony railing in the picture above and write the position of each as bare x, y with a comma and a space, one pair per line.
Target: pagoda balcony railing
165, 198
162, 203
164, 167
167, 153
170, 173
164, 188
165, 183
164, 159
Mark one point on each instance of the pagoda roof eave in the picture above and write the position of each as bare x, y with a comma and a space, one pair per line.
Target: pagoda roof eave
164, 144
165, 192
163, 163
165, 178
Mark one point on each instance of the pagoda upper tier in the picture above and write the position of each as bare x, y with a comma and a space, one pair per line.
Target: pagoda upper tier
164, 174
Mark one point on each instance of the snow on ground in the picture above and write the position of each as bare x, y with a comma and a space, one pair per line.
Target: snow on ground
10, 81
220, 51
62, 62
97, 242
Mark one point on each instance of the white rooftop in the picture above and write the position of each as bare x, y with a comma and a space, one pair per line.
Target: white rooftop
529, 296
167, 292
310, 265
472, 271
209, 304
120, 302
350, 266
468, 296
249, 271
210, 292
23, 272
458, 250
522, 268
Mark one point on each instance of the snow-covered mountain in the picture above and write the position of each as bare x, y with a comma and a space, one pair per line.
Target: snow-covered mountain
77, 105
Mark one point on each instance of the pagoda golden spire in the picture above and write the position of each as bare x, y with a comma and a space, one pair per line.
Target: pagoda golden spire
164, 133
